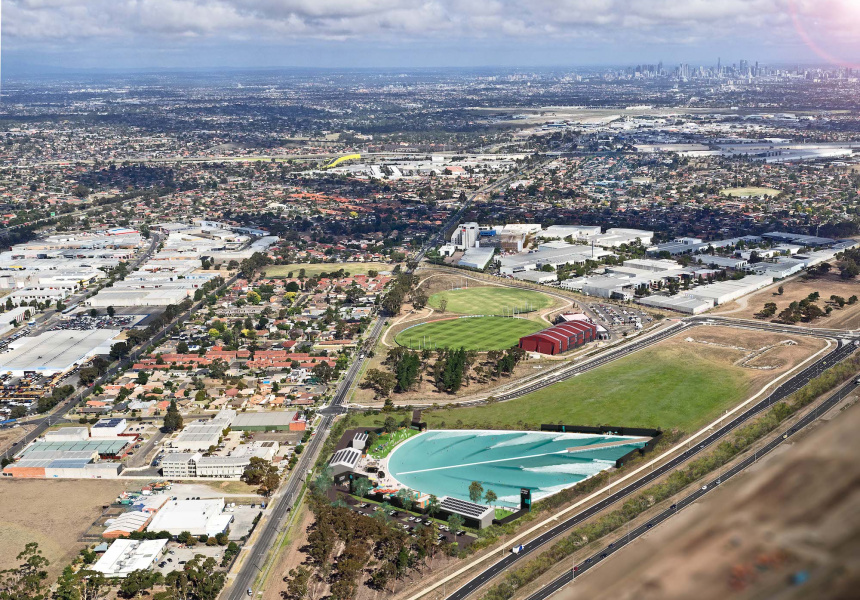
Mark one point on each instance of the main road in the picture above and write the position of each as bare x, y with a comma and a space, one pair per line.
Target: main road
269, 528
844, 349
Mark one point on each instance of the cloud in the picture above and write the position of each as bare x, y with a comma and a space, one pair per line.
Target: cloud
180, 24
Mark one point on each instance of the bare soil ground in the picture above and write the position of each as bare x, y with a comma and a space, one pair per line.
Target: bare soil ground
798, 289
794, 512
53, 513
291, 557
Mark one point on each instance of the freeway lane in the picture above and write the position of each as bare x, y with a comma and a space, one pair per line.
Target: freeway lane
842, 351
272, 527
604, 554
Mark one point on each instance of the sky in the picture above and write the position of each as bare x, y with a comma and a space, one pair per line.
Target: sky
189, 34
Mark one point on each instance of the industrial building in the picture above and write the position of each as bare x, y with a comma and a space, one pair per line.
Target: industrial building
198, 517
107, 429
726, 291
125, 524
683, 304
203, 434
126, 556
55, 351
559, 338
554, 254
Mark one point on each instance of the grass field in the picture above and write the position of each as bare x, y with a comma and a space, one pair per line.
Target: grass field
675, 384
317, 268
53, 513
474, 333
490, 300
742, 192
387, 442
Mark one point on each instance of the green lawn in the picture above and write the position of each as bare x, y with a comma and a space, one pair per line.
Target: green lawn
472, 333
668, 386
387, 442
317, 268
490, 300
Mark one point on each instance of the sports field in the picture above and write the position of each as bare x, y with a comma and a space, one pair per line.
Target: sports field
490, 300
473, 333
313, 269
747, 192
675, 384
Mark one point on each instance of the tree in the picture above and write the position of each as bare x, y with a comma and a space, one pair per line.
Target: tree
27, 580
253, 297
323, 371
780, 290
443, 305
476, 490
118, 350
456, 522
138, 581
490, 496
380, 382
361, 486
111, 311
172, 419
390, 424
182, 348
298, 582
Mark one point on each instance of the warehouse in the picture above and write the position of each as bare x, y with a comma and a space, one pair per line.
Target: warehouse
125, 556
477, 258
198, 517
125, 524
560, 338
683, 304
475, 515
56, 351
726, 291
263, 421
67, 434
344, 461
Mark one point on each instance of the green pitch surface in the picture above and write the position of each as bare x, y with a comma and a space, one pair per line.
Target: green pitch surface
387, 442
475, 333
490, 300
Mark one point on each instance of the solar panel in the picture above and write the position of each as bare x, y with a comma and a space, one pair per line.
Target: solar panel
469, 509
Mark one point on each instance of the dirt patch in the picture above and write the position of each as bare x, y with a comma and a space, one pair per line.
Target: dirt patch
53, 513
291, 557
796, 290
793, 513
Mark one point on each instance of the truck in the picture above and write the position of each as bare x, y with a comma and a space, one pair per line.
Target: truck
517, 549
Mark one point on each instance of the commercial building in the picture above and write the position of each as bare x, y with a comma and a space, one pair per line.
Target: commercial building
126, 556
125, 524
263, 421
466, 236
106, 429
559, 338
344, 461
577, 232
67, 434
198, 517
475, 515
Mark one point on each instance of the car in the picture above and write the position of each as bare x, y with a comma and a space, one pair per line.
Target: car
704, 487
461, 533
250, 592
169, 560
649, 525
674, 506
604, 555
182, 562
612, 545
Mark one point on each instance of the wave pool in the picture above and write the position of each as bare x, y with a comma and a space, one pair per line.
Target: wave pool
445, 462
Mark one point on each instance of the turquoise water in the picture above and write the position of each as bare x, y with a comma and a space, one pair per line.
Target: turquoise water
445, 462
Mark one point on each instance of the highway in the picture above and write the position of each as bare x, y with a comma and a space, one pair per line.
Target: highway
270, 528
599, 557
842, 351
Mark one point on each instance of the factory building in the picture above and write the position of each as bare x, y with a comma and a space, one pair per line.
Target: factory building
125, 556
198, 517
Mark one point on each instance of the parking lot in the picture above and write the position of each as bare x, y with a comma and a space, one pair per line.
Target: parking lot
618, 318
409, 522
179, 554
84, 322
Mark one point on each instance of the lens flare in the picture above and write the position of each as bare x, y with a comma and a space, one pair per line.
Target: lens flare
849, 9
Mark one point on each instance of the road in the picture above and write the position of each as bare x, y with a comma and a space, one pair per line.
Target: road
842, 351
606, 553
270, 528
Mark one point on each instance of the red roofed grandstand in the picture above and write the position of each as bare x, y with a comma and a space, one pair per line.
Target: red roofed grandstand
560, 338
